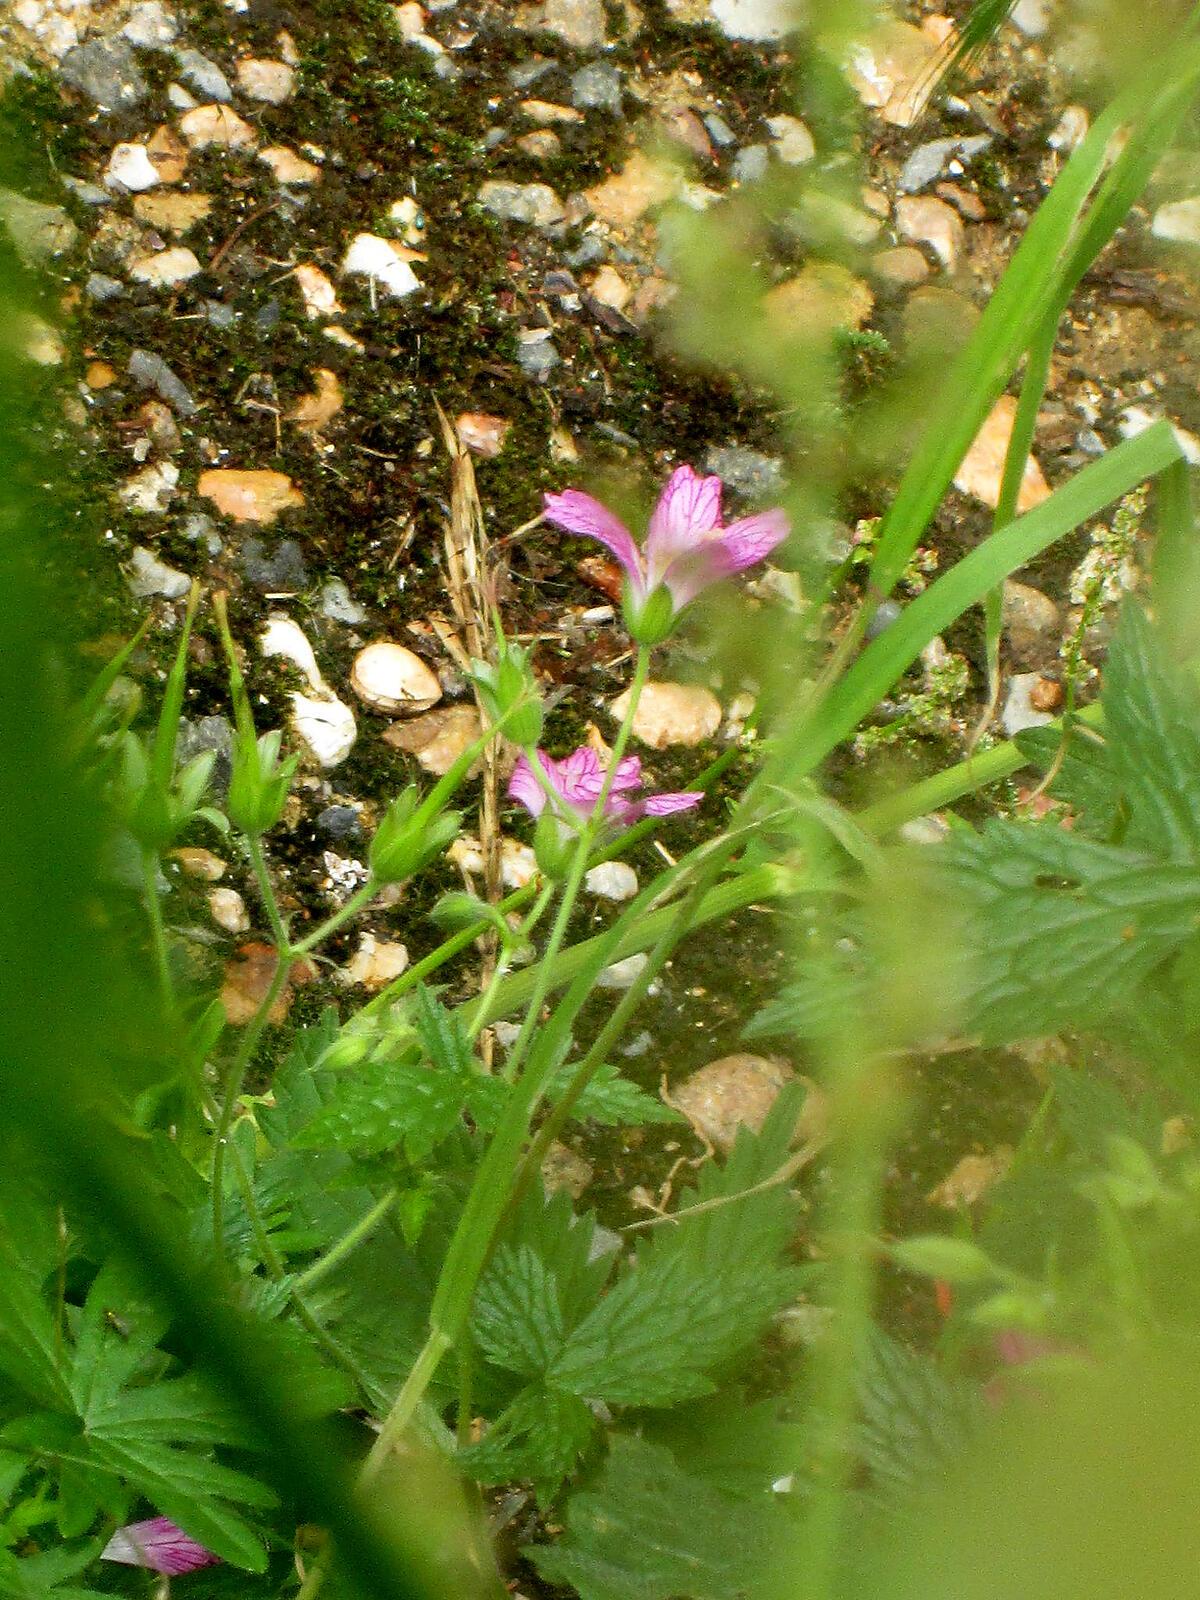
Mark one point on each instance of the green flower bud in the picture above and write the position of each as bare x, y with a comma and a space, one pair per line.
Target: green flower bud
553, 845
651, 618
935, 1256
259, 784
508, 688
404, 841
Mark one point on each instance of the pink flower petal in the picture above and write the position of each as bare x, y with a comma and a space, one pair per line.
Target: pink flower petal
577, 778
159, 1545
742, 544
628, 775
665, 805
525, 789
580, 513
751, 539
688, 509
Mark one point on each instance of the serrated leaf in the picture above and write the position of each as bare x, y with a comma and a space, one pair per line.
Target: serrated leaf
913, 1418
1152, 714
540, 1435
700, 1291
1062, 928
442, 1033
612, 1100
518, 1321
1084, 777
649, 1531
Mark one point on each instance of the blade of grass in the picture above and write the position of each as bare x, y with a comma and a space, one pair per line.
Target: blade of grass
856, 694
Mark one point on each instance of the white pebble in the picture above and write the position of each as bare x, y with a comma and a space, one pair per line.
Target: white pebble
130, 167
283, 637
612, 880
327, 727
228, 910
387, 677
382, 261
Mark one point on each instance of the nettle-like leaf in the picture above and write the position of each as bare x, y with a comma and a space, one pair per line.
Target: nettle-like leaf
648, 1530
913, 1417
697, 1295
114, 1418
540, 1436
1064, 929
612, 1100
47, 1575
1084, 777
413, 1100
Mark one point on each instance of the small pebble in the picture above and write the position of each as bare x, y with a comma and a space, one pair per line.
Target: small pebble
151, 490
217, 125
731, 1093
326, 726
272, 82
390, 678
166, 269
130, 167
341, 824
1019, 710
612, 880
150, 371
597, 87
283, 637
197, 862
672, 714
203, 75
249, 496
382, 261
622, 974
535, 204
99, 287
926, 220
337, 605
280, 572
375, 963
229, 910
149, 576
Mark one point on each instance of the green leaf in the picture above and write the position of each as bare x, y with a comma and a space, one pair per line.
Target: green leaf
518, 1321
539, 1436
1152, 716
913, 1417
443, 1033
650, 1531
1085, 778
612, 1100
1063, 929
700, 1291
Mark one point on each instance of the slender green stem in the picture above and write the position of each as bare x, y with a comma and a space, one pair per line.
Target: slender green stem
466, 1376
158, 932
231, 1089
475, 1024
276, 1270
350, 1240
361, 897
474, 1236
609, 1033
405, 1405
266, 889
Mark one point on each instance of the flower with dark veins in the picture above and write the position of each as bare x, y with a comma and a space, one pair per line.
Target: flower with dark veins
160, 1545
572, 787
688, 547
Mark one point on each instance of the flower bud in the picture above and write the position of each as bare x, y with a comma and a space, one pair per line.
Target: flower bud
404, 841
649, 618
508, 689
553, 845
259, 783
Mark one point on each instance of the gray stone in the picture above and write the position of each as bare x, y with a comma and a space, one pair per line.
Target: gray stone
757, 476
149, 371
1019, 711
751, 162
150, 25
338, 606
208, 733
760, 21
1032, 625
341, 824
219, 314
527, 72
100, 287
1090, 442
532, 203
88, 194
579, 23
719, 130
199, 526
203, 75
267, 316
597, 87
38, 232
538, 360
591, 249
886, 613
281, 572
105, 70
929, 161
150, 576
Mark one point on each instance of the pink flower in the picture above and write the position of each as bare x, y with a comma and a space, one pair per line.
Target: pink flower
158, 1544
576, 782
687, 546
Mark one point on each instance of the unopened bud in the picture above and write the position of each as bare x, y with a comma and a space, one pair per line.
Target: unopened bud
649, 618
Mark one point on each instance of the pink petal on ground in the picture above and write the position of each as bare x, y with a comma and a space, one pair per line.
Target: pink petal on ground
525, 789
579, 513
159, 1545
665, 805
688, 509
